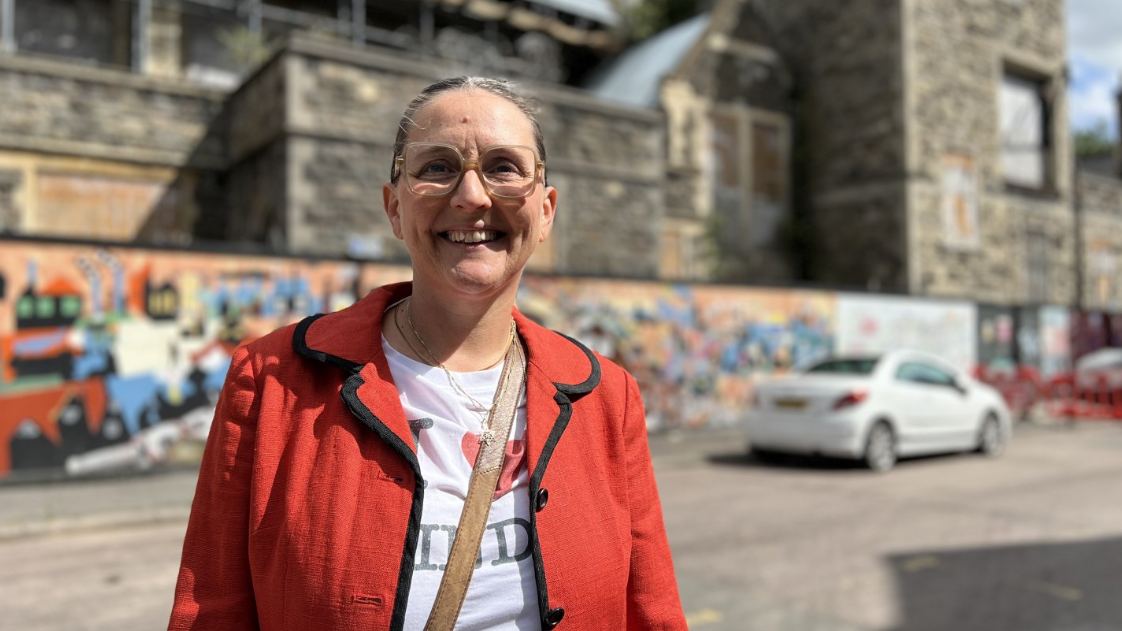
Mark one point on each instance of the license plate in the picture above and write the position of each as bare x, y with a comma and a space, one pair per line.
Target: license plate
790, 404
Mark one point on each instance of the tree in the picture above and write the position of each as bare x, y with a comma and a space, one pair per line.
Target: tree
1093, 141
645, 18
246, 49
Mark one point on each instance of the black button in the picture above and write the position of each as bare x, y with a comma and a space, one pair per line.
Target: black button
553, 617
543, 499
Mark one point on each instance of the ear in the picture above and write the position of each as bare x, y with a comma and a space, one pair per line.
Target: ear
392, 205
549, 211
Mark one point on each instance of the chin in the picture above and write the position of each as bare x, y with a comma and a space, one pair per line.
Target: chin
477, 282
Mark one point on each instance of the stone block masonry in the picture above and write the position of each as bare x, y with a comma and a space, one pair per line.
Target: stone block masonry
340, 118
1099, 205
971, 232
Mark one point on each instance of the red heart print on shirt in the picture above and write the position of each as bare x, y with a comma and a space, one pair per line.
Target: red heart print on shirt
514, 460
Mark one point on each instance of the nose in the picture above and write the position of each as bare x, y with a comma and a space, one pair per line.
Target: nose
471, 194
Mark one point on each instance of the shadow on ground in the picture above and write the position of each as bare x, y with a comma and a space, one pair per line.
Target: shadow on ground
1041, 587
780, 461
815, 463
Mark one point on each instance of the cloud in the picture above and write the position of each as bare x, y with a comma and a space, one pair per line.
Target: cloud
1095, 54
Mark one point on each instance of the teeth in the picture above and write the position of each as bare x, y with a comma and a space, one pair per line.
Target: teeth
472, 236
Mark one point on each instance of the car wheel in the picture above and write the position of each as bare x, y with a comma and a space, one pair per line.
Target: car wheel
880, 447
991, 442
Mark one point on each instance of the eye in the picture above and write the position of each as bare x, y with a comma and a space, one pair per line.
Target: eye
435, 169
505, 167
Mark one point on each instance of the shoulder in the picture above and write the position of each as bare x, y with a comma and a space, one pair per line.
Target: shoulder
272, 348
575, 369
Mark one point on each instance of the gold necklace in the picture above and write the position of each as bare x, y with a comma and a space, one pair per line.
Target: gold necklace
486, 435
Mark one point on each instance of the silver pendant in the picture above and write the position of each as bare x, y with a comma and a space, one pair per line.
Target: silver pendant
486, 437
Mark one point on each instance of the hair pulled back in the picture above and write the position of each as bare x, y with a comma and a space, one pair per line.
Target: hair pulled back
498, 87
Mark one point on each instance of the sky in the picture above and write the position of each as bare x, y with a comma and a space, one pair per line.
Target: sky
1094, 45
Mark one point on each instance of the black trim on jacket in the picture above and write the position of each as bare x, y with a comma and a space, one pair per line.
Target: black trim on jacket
300, 345
565, 396
405, 573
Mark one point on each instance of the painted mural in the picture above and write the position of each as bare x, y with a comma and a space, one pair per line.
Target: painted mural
109, 356
694, 349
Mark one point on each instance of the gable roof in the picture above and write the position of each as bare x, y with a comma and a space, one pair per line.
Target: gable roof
597, 10
634, 77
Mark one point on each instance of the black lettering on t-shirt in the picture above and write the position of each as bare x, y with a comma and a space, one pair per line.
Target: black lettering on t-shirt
500, 535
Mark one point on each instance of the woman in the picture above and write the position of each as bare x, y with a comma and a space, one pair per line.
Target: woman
316, 510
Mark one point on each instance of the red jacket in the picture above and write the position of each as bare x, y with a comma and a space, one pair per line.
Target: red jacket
308, 506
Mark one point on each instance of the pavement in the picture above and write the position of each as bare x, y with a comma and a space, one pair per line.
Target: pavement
165, 494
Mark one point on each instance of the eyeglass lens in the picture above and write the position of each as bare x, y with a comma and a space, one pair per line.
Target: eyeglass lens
434, 170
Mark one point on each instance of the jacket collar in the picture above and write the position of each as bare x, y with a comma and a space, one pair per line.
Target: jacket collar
559, 369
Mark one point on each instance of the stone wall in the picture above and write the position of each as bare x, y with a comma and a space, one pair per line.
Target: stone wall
1100, 210
104, 153
342, 112
251, 205
969, 231
734, 74
56, 107
845, 61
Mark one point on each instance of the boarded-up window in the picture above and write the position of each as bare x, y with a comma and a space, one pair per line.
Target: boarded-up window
769, 182
724, 156
1037, 259
1104, 274
672, 264
1025, 141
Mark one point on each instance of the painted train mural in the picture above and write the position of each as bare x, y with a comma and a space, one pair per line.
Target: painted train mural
112, 356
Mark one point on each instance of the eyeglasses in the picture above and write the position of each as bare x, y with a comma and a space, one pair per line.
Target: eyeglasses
434, 169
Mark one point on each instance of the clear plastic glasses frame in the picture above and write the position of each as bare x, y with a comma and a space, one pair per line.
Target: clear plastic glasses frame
492, 188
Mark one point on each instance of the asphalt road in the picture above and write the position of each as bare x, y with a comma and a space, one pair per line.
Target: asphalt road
1031, 541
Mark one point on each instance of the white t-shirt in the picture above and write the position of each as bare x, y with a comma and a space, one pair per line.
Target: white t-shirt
445, 424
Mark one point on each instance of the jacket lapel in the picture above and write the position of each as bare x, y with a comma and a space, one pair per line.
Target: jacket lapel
559, 371
351, 340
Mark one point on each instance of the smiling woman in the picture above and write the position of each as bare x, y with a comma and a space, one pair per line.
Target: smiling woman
478, 471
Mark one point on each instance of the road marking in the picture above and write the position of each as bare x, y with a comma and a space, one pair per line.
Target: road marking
1062, 592
703, 617
921, 563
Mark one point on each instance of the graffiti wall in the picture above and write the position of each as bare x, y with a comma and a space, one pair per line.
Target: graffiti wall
110, 355
694, 349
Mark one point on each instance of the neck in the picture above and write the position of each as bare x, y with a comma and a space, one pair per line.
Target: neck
463, 336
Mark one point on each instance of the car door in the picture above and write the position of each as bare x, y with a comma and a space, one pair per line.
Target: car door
949, 407
958, 418
910, 403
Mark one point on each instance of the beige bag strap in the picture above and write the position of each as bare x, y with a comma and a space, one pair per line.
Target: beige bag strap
481, 490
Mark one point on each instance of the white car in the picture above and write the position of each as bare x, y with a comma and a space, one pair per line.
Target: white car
877, 409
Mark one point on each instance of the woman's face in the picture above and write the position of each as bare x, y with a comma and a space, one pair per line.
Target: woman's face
434, 228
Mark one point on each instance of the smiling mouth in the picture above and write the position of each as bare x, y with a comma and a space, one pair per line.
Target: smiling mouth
472, 237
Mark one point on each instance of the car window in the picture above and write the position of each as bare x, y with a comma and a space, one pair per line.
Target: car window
921, 372
857, 366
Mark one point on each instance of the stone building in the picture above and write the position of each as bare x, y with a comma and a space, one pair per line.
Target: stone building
726, 95
924, 145
911, 146
119, 122
937, 155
